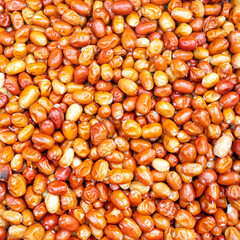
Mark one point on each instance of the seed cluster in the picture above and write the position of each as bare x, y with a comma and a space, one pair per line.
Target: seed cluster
119, 120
